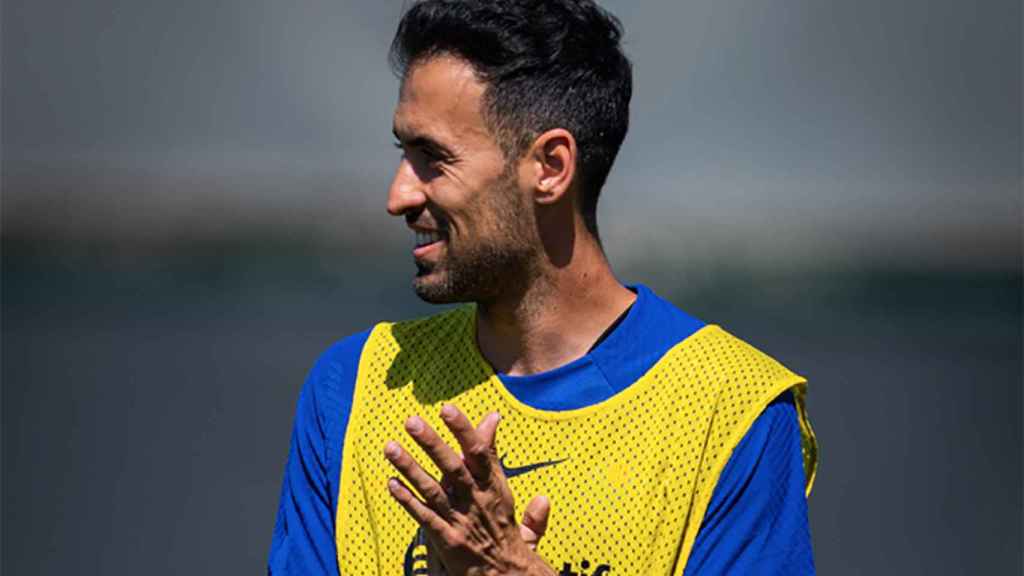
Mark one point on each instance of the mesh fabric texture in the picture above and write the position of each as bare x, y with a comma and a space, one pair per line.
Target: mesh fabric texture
629, 478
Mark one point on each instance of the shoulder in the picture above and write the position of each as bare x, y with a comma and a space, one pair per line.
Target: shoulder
736, 359
331, 380
656, 328
345, 350
742, 381
659, 325
661, 321
329, 384
752, 386
425, 334
661, 315
337, 358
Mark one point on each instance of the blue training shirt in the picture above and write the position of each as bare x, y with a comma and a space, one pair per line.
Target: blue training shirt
756, 522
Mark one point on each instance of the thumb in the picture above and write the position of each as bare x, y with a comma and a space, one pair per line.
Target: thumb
535, 521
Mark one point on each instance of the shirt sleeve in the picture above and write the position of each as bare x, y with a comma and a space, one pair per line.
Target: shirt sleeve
303, 540
756, 522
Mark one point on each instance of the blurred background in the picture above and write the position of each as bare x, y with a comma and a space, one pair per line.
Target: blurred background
193, 209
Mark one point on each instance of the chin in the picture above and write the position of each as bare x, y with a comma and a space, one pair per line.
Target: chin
433, 288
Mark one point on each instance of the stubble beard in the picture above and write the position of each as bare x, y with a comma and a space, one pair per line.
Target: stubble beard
490, 268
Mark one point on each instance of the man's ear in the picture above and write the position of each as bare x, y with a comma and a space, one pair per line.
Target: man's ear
553, 156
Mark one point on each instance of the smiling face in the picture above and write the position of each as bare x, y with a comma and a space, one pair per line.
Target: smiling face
471, 217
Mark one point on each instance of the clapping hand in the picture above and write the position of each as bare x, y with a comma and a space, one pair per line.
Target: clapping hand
468, 515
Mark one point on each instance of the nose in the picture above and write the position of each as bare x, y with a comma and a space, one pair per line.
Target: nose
406, 192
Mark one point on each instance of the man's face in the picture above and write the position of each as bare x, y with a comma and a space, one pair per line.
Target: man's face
472, 220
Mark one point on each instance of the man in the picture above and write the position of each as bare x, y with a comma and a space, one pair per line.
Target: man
616, 434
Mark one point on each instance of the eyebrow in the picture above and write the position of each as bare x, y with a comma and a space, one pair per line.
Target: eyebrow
422, 141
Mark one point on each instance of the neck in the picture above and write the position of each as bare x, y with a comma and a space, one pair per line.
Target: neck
554, 318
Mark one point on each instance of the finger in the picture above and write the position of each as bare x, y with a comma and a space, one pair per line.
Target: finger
476, 450
487, 429
535, 521
431, 491
443, 456
419, 511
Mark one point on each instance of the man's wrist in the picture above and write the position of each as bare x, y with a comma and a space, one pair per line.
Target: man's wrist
528, 563
538, 567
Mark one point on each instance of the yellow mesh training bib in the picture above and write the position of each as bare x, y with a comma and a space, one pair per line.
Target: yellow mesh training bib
629, 478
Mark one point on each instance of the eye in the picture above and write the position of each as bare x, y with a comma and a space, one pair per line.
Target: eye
425, 155
431, 155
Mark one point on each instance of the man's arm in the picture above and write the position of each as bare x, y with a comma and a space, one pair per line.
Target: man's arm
303, 541
756, 522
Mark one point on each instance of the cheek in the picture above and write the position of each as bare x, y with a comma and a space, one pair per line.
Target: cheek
508, 216
487, 208
463, 214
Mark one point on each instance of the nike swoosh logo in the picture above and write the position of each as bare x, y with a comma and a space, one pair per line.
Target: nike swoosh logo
520, 470
415, 563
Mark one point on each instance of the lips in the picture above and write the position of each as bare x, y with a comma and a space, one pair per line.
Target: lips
428, 242
427, 237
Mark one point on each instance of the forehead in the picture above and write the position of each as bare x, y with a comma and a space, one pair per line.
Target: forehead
441, 98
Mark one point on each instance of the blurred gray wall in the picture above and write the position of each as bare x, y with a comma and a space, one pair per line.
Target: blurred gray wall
783, 133
192, 209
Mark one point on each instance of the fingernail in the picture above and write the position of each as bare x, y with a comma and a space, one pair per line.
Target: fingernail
497, 417
393, 485
448, 411
391, 449
414, 424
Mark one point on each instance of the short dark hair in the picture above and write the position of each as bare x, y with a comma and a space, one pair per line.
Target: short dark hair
545, 64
